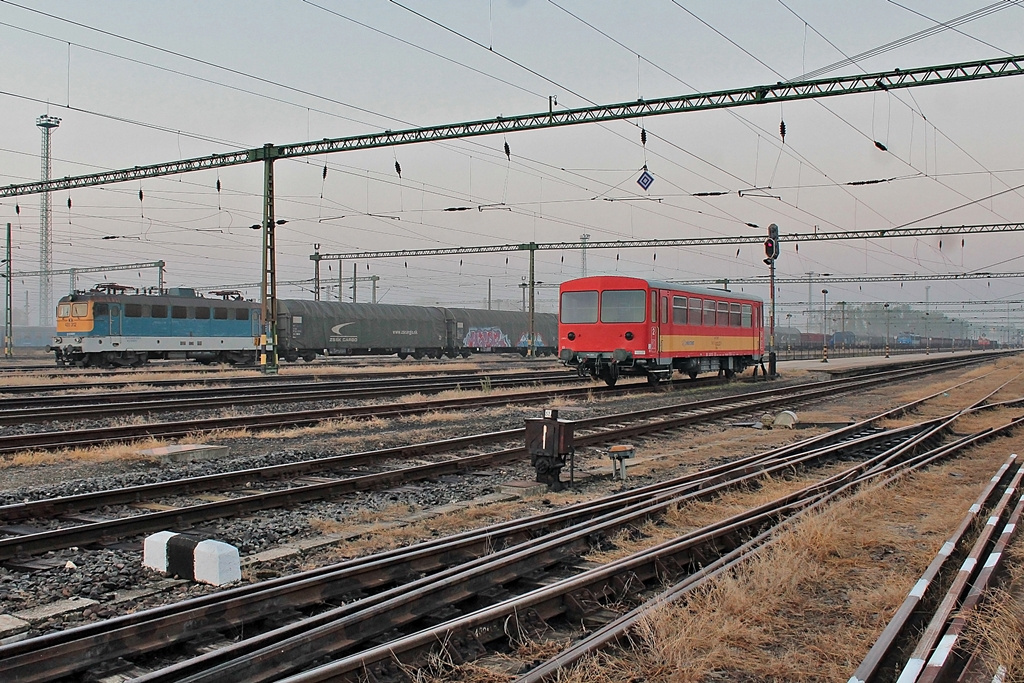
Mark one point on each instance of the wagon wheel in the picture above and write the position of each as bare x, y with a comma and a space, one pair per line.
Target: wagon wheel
610, 375
692, 374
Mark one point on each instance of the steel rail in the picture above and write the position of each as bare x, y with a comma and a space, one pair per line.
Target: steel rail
930, 638
90, 642
614, 631
46, 408
566, 596
79, 502
105, 435
349, 626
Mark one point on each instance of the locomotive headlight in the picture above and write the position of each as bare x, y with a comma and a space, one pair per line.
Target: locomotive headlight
629, 336
571, 336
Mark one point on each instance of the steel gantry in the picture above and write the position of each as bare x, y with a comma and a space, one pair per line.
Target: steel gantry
722, 99
75, 272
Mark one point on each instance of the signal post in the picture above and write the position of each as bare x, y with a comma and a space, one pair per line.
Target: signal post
771, 250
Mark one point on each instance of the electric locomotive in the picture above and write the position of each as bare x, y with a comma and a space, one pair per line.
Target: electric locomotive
610, 326
105, 327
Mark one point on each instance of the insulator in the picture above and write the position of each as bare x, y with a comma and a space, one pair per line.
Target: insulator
17, 209
69, 203
367, 266
961, 244
737, 252
782, 130
940, 244
880, 146
797, 247
643, 136
398, 169
218, 184
508, 151
655, 256
616, 257
325, 171
140, 195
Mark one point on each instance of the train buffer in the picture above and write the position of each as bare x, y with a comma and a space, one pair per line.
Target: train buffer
619, 454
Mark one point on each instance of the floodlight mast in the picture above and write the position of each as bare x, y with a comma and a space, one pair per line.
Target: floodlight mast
761, 94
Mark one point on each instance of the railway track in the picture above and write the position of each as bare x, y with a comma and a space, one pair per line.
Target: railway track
46, 408
508, 580
589, 432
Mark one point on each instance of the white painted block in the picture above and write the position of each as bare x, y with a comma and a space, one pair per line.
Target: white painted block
154, 550
217, 563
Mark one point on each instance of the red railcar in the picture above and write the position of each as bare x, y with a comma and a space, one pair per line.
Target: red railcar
610, 326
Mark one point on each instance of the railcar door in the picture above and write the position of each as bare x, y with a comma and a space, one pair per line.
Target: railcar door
115, 320
653, 345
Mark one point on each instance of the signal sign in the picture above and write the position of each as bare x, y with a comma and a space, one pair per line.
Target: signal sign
645, 180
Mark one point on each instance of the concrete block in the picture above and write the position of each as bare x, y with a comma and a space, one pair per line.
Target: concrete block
54, 609
154, 550
11, 625
205, 561
186, 452
217, 563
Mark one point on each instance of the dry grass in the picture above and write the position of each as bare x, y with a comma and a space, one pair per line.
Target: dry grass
95, 454
809, 607
997, 628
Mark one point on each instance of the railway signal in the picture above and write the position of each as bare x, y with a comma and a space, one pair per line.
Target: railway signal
771, 249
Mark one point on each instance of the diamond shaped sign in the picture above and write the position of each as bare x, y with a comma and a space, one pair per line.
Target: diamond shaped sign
645, 180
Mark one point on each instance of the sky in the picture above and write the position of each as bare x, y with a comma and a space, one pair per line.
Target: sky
147, 83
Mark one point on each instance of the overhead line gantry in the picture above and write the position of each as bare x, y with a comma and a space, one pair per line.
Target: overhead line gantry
722, 99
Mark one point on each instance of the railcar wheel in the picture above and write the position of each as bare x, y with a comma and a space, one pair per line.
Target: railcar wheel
309, 357
402, 355
417, 355
465, 354
692, 374
610, 375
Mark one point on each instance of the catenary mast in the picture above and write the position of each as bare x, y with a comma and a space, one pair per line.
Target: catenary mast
46, 123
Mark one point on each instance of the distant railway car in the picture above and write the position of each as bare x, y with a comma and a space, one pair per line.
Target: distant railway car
612, 325
812, 340
109, 327
106, 327
308, 328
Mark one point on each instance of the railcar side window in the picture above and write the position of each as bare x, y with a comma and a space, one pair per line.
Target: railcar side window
179, 312
220, 313
734, 315
99, 308
709, 312
202, 312
623, 306
664, 310
241, 314
578, 307
158, 311
747, 315
679, 310
695, 307
723, 314
133, 310
63, 310
80, 310
654, 307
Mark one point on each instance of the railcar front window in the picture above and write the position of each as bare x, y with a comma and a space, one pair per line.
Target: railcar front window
80, 310
63, 310
578, 307
623, 306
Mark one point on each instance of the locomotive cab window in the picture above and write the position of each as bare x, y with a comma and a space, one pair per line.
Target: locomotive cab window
695, 306
158, 311
63, 310
746, 315
579, 307
679, 310
202, 312
624, 306
80, 310
133, 310
241, 314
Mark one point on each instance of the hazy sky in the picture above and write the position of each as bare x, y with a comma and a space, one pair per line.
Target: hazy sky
142, 83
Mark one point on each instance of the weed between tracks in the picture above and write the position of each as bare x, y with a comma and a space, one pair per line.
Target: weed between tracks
998, 627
